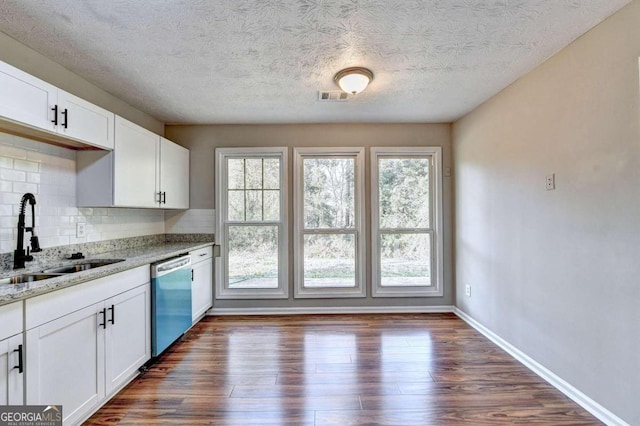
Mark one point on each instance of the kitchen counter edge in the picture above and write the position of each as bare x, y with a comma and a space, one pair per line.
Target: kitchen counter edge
135, 257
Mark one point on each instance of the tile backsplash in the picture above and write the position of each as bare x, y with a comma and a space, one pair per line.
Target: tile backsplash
192, 221
49, 172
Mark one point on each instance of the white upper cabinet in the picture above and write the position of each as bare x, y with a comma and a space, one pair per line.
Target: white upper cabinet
26, 99
35, 104
143, 170
85, 121
136, 169
174, 175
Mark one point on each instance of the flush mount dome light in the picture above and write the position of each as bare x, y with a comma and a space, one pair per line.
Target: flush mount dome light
353, 80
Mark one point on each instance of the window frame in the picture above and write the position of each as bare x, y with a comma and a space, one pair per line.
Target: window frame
222, 291
435, 230
360, 290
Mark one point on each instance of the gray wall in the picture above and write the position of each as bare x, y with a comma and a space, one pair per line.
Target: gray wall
32, 62
202, 141
555, 273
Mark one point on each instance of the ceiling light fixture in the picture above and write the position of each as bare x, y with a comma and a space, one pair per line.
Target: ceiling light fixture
353, 80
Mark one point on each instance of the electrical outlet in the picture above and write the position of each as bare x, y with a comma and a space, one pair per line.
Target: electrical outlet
551, 182
467, 290
80, 230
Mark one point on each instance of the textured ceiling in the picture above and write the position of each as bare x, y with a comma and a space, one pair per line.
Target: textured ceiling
263, 61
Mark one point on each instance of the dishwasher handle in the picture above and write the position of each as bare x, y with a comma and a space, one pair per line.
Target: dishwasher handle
163, 268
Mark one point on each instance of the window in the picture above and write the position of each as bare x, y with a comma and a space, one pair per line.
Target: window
329, 222
406, 222
251, 206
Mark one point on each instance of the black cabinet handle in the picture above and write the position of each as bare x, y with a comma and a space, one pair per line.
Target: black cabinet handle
160, 197
113, 314
55, 115
103, 324
20, 366
66, 118
164, 198
192, 275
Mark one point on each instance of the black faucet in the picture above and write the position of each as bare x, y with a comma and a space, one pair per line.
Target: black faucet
19, 256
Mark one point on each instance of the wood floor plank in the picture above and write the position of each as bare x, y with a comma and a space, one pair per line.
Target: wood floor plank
446, 417
420, 388
448, 401
263, 418
313, 370
366, 377
315, 390
215, 378
311, 403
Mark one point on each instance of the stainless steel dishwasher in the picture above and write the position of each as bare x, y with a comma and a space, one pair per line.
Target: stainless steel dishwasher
170, 302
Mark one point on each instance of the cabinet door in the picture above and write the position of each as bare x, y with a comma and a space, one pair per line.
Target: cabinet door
85, 121
202, 288
128, 339
136, 171
174, 175
11, 379
26, 99
65, 362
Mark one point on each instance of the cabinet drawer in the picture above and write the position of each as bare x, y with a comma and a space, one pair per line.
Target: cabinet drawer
11, 319
201, 254
45, 308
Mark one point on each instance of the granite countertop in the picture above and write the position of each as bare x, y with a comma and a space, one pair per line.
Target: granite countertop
133, 257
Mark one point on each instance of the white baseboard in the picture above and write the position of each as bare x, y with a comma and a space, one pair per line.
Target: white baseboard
570, 391
332, 310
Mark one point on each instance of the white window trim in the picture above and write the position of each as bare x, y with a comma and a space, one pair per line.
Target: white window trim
222, 291
436, 290
359, 199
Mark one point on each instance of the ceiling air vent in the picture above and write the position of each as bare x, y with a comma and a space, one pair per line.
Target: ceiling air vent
333, 96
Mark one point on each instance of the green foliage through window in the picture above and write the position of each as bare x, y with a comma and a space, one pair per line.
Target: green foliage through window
253, 186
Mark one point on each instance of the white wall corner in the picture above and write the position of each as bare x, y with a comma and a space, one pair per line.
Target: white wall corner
597, 410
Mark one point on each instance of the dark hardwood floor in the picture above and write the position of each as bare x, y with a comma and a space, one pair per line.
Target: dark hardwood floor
409, 369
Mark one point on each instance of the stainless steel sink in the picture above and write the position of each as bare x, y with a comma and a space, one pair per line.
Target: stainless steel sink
25, 278
82, 266
56, 272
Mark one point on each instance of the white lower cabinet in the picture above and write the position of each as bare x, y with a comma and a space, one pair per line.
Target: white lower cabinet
81, 358
11, 355
127, 336
201, 282
66, 363
12, 371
